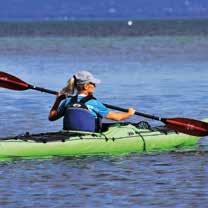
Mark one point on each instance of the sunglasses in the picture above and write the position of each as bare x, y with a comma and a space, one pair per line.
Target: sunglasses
93, 84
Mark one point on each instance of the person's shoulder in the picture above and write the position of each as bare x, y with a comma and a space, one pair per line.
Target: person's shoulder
95, 101
67, 100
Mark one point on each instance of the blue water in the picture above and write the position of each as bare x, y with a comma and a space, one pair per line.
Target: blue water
160, 75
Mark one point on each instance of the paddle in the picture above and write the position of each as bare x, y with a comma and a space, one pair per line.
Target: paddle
13, 83
183, 125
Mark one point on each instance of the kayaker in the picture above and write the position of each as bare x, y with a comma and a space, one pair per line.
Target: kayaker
80, 109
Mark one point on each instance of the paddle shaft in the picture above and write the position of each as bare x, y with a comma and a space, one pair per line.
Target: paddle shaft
42, 89
136, 113
107, 105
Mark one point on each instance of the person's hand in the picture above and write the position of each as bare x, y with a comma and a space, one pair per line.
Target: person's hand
131, 111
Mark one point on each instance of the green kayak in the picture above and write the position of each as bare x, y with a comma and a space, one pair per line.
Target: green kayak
116, 139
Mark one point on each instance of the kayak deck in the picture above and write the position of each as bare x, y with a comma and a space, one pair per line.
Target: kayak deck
118, 139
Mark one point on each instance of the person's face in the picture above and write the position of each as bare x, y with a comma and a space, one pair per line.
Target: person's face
90, 87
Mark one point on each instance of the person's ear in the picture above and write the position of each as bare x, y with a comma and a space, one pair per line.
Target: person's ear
86, 86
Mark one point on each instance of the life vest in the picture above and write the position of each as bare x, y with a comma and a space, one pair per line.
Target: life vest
78, 117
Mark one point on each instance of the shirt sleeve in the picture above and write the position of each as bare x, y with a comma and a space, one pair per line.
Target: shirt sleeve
62, 107
98, 107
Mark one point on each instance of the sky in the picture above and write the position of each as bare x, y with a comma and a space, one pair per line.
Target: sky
102, 9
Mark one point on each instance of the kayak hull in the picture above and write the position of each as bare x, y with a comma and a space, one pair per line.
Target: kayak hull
119, 139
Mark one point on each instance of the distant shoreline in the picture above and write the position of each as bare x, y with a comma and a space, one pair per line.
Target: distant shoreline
105, 28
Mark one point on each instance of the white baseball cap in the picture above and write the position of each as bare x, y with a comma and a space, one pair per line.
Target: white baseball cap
84, 77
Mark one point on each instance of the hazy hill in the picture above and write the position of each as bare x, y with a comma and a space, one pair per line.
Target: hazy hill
105, 9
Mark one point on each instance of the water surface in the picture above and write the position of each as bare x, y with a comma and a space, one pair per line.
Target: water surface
161, 75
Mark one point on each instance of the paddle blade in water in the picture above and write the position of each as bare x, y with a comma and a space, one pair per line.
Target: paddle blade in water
187, 126
10, 82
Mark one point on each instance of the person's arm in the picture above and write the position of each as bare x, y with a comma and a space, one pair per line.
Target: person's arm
119, 116
103, 111
53, 114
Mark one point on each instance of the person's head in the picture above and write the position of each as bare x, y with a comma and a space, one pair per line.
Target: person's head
83, 82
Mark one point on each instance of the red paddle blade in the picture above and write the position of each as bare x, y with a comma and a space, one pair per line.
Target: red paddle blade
187, 126
10, 82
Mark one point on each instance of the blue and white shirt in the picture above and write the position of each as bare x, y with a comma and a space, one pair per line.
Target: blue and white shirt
94, 106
